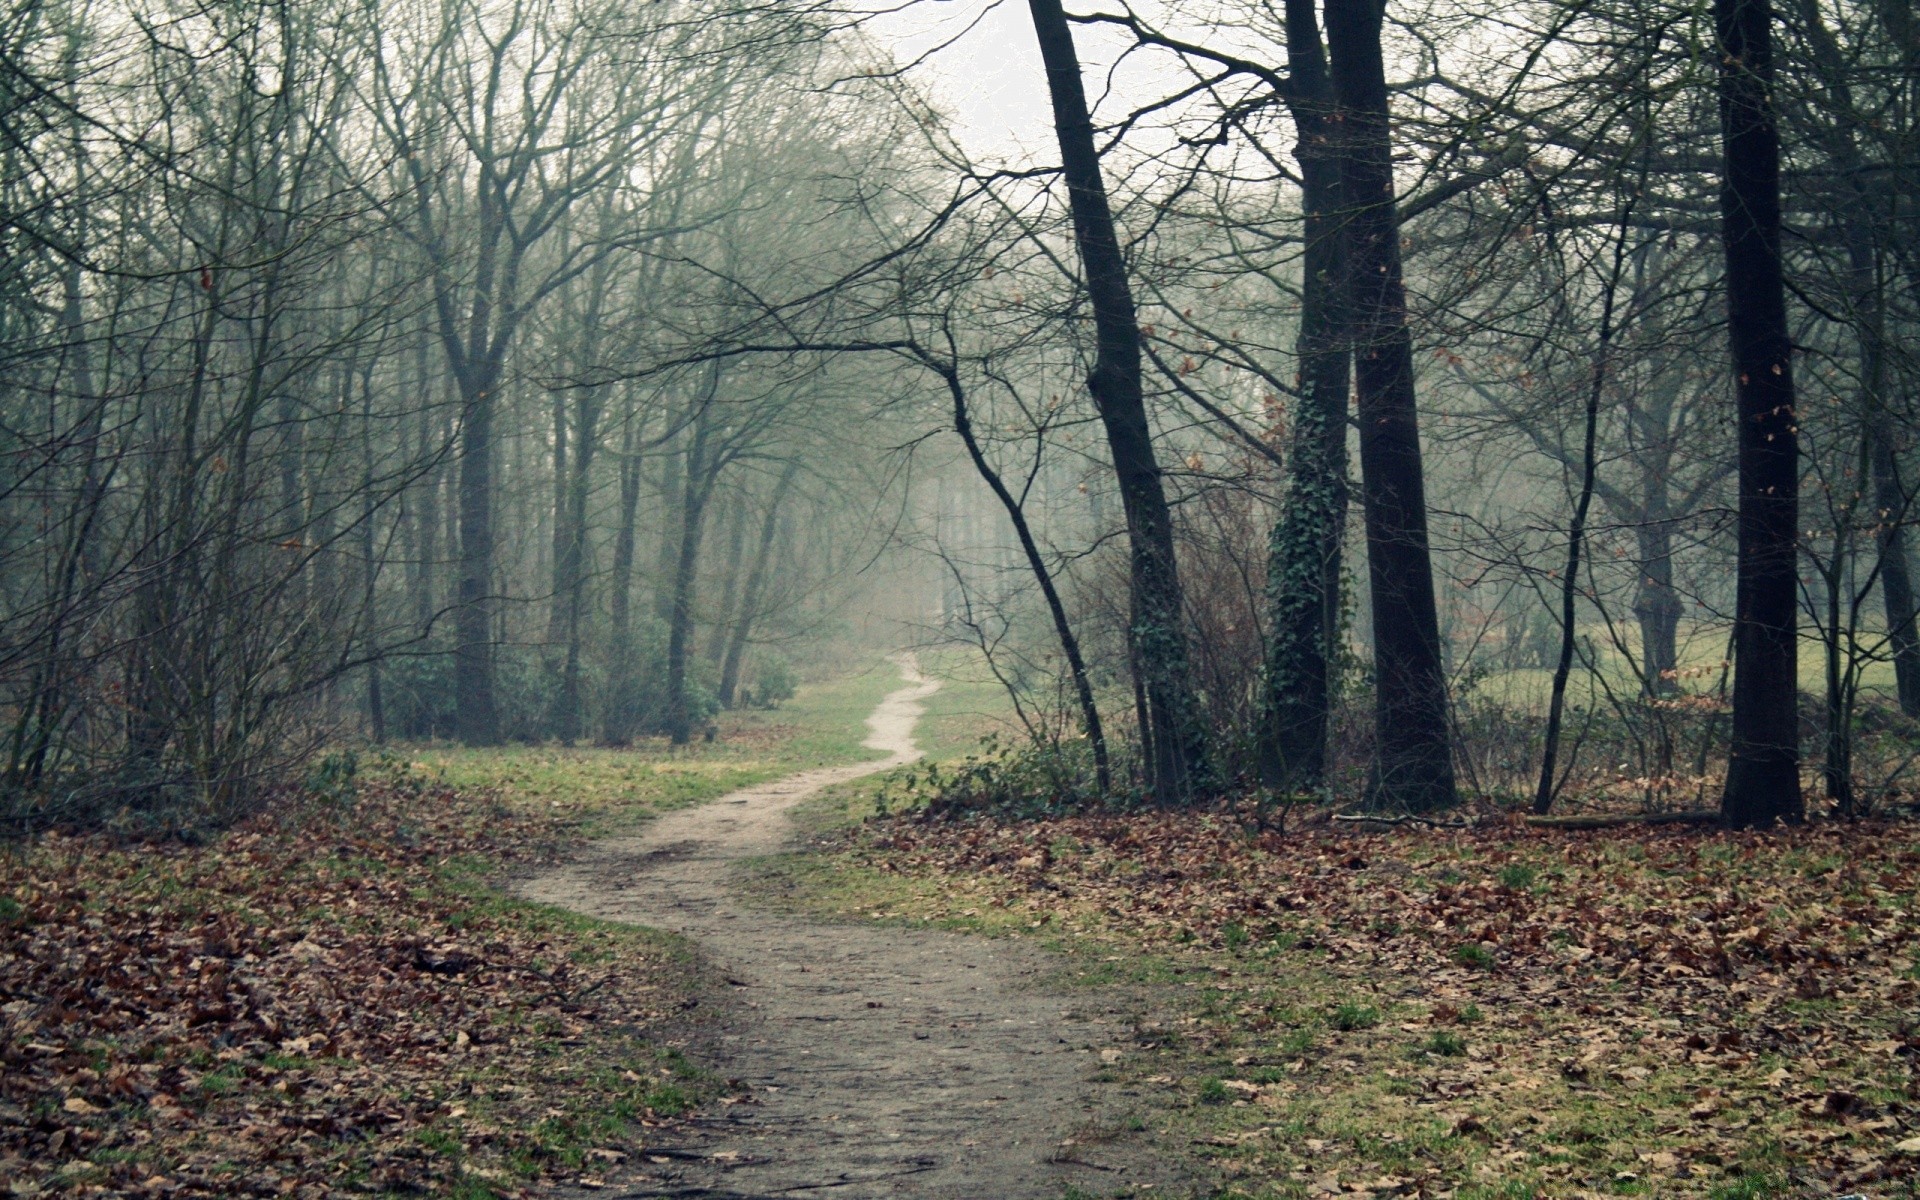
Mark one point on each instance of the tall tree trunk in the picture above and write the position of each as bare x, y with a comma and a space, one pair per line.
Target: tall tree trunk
475, 713
1892, 504
736, 523
617, 719
742, 630
1304, 549
369, 565
672, 483
1862, 215
697, 488
1763, 768
562, 510
1413, 769
418, 503
1177, 766
570, 571
1549, 783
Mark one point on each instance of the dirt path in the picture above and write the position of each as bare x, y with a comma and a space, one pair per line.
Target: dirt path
879, 1061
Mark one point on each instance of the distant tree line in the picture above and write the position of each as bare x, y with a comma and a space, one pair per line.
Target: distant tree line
324, 409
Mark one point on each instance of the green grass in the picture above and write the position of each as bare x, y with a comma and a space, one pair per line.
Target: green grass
1350, 1015
1701, 649
609, 789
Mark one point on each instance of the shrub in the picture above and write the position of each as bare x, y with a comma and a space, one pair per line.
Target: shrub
1474, 954
1018, 780
1446, 1044
773, 682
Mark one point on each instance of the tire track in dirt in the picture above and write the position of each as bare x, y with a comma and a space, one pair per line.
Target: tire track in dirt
878, 1061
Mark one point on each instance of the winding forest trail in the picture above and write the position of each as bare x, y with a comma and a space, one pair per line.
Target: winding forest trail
877, 1061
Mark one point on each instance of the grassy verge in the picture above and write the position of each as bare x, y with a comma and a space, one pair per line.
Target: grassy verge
1481, 1015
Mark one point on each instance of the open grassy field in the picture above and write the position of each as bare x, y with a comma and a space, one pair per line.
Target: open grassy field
1702, 652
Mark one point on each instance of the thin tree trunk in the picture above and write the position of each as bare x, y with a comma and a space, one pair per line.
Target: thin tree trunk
1763, 769
672, 480
1177, 766
1861, 214
756, 585
1413, 769
1037, 563
562, 531
736, 522
617, 719
370, 577
1577, 530
417, 503
1304, 549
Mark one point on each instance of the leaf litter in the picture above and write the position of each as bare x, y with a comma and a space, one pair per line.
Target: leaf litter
1487, 1012
324, 1000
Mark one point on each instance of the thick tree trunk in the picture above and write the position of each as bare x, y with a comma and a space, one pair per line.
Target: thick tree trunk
1177, 765
1413, 769
1763, 770
697, 487
742, 630
1304, 550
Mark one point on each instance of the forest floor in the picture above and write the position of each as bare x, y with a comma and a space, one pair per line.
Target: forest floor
339, 997
1498, 1013
336, 997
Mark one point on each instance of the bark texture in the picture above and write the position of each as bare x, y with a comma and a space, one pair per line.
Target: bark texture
1304, 551
1413, 766
1174, 734
1763, 770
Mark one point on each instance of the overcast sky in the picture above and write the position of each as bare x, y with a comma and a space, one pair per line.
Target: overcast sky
989, 80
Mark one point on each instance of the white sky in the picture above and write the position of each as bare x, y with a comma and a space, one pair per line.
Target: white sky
990, 81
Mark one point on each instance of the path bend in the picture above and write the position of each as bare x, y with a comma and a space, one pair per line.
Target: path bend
878, 1061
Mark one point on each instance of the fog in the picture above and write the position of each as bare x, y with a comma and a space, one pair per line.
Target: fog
574, 371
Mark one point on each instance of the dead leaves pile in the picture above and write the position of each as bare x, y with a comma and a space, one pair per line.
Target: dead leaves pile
1742, 992
314, 1003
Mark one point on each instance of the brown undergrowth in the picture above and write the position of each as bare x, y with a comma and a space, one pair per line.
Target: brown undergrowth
1494, 1012
324, 1000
